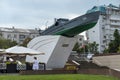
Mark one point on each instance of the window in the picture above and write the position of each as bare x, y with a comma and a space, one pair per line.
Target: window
8, 36
21, 36
33, 36
104, 41
15, 36
103, 27
105, 37
80, 39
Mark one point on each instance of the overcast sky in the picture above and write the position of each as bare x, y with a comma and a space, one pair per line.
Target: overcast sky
41, 13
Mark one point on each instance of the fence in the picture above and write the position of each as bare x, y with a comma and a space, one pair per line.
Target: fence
13, 68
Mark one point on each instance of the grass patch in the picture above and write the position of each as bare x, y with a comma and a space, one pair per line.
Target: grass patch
56, 77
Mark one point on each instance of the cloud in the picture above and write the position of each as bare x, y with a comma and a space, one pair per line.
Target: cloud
35, 13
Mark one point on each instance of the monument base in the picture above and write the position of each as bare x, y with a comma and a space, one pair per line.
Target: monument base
56, 48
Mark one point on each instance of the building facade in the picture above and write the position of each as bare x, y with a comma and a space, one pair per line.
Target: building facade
80, 40
108, 21
18, 35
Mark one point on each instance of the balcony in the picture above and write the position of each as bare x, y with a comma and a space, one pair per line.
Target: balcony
115, 23
117, 18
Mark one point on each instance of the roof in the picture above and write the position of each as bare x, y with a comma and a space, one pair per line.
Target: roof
102, 8
22, 50
97, 8
112, 6
19, 30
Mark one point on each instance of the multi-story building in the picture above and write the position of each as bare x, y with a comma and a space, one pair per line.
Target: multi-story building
18, 35
80, 40
102, 33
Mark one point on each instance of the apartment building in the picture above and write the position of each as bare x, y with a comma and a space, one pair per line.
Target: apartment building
17, 34
102, 33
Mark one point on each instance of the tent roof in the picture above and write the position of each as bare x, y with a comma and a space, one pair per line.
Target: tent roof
22, 50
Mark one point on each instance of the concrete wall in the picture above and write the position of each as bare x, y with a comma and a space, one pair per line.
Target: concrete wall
56, 48
108, 72
111, 61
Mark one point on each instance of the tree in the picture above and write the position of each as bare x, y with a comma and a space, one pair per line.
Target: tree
25, 42
76, 46
93, 47
105, 50
111, 48
118, 50
5, 43
114, 44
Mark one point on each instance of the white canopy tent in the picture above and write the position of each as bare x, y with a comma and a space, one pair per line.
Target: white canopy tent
20, 50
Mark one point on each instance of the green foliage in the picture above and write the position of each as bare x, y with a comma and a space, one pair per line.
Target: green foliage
105, 51
114, 44
80, 50
93, 47
57, 77
25, 42
118, 50
4, 43
76, 47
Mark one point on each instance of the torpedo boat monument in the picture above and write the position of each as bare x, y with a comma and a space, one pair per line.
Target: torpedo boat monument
58, 40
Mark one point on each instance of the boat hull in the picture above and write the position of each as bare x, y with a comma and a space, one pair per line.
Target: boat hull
74, 26
76, 30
